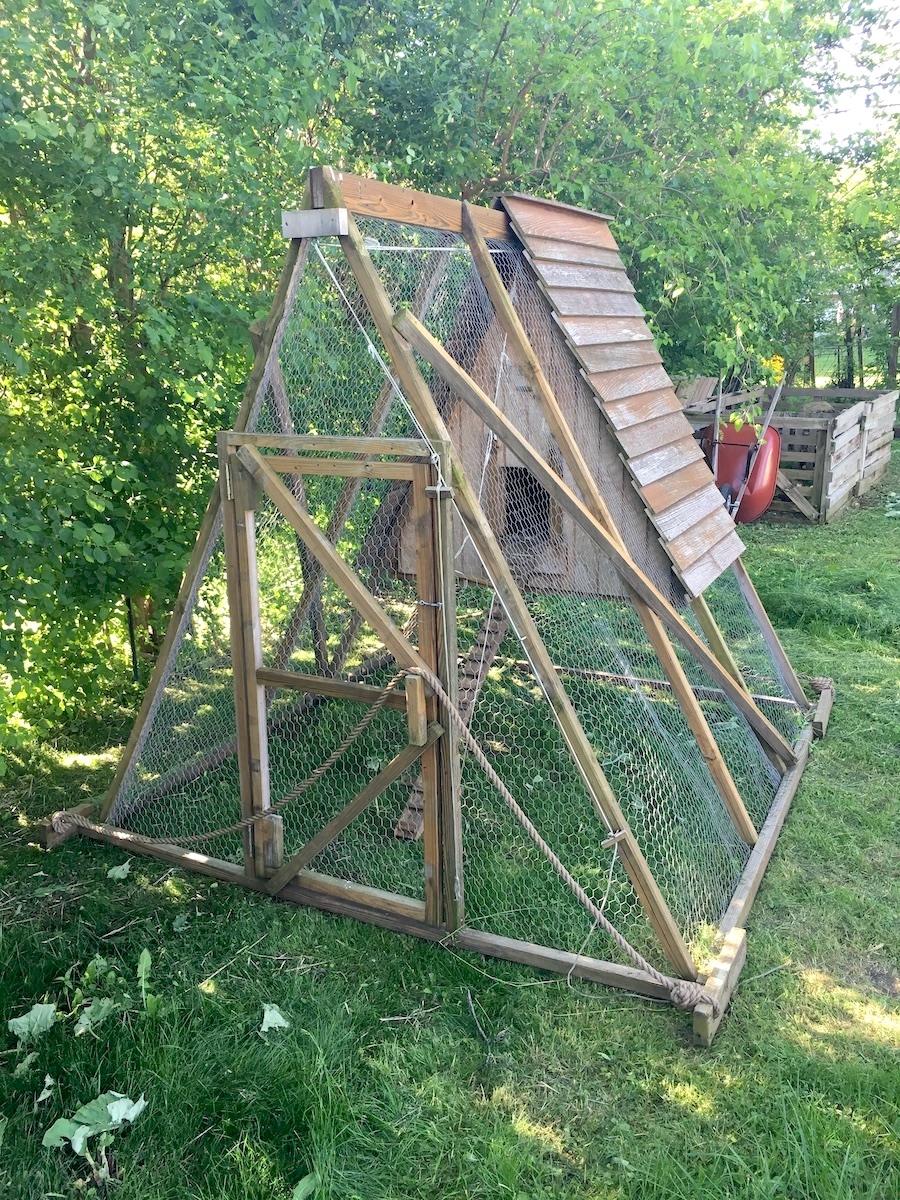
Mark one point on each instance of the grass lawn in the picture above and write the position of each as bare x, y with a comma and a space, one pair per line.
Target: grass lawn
411, 1071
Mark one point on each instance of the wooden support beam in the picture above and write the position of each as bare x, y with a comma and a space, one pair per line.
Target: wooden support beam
246, 648
720, 984
50, 838
338, 896
641, 681
561, 962
323, 685
453, 374
781, 660
432, 425
748, 885
295, 464
351, 446
358, 595
370, 198
336, 826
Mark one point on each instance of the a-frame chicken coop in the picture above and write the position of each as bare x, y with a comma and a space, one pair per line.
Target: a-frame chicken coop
466, 647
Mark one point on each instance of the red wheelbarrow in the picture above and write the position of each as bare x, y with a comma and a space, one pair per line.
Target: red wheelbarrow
745, 467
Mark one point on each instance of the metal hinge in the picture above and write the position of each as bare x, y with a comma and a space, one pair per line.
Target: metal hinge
229, 483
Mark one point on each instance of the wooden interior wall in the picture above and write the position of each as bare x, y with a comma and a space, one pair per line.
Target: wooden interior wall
576, 261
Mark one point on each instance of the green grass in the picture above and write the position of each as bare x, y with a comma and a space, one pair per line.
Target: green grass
411, 1071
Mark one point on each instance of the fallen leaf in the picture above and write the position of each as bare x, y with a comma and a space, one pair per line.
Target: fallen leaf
273, 1018
33, 1024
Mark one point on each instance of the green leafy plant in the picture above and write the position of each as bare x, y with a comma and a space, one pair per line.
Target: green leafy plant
100, 1118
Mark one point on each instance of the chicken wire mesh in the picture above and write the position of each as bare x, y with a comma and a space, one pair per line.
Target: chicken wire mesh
327, 376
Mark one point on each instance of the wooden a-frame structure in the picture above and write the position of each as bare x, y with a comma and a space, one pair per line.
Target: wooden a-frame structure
637, 520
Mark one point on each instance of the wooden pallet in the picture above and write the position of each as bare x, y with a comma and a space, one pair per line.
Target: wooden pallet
475, 669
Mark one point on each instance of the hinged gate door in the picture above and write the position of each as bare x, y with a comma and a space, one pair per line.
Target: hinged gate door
344, 766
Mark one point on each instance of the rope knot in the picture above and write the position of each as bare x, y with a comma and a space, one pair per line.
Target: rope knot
820, 682
61, 821
687, 995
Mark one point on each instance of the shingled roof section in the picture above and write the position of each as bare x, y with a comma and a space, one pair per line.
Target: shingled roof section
577, 263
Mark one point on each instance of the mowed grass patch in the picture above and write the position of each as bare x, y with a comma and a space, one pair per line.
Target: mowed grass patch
408, 1070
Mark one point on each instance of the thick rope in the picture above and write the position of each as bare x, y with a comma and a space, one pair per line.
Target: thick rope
62, 820
685, 994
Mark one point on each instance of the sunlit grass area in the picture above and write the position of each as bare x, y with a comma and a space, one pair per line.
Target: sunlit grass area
406, 1070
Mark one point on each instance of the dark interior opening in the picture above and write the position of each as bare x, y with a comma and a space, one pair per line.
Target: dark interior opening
527, 508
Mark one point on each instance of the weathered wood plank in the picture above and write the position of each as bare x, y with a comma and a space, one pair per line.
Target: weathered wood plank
720, 984
388, 447
296, 464
636, 440
701, 537
634, 410
632, 381
671, 489
370, 198
596, 331
573, 252
542, 218
612, 357
717, 559
559, 961
583, 302
323, 685
693, 507
657, 464
579, 275
823, 712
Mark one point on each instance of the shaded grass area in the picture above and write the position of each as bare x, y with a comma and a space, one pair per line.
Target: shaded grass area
412, 1071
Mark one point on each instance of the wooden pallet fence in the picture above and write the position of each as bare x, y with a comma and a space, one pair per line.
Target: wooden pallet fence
835, 443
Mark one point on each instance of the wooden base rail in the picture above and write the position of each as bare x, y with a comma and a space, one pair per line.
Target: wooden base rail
371, 905
725, 971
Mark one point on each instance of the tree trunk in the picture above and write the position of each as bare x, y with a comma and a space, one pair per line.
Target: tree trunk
893, 345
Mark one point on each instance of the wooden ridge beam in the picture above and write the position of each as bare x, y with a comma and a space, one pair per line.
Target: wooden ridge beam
371, 198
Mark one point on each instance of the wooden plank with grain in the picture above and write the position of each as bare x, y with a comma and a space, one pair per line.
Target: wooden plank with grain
580, 275
539, 218
554, 250
616, 357
586, 302
664, 460
595, 331
371, 198
632, 381
634, 410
